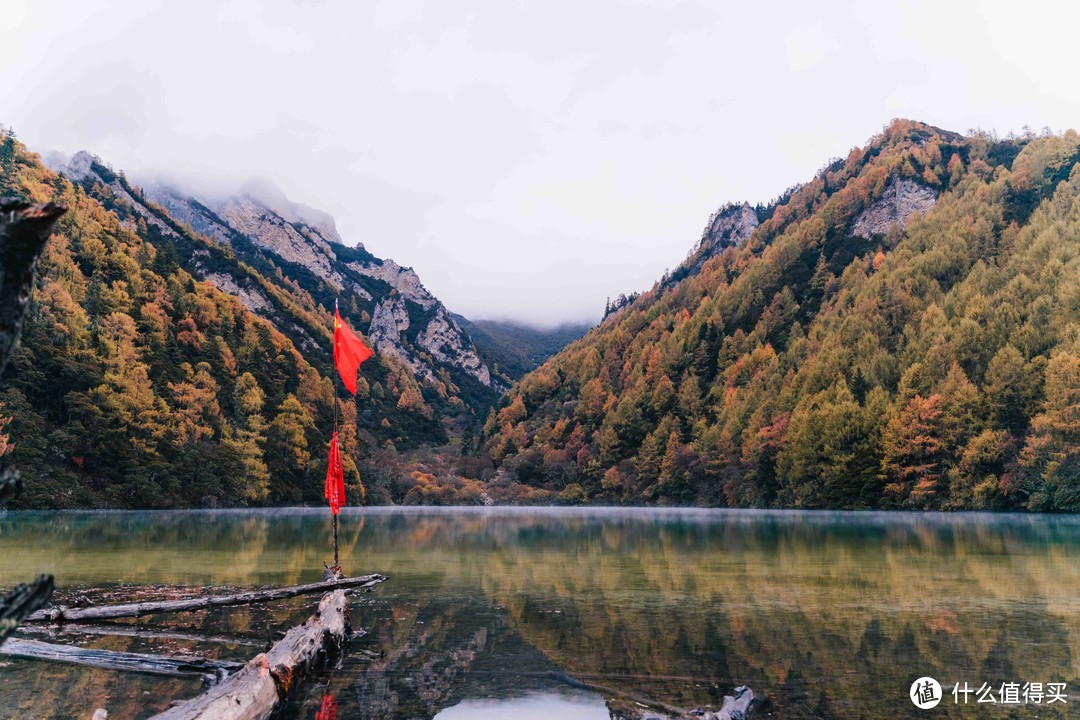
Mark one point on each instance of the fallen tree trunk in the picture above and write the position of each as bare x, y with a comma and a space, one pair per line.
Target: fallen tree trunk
254, 691
735, 707
111, 612
171, 665
137, 631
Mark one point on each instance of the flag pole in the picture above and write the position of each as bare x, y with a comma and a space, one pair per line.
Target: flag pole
334, 514
349, 353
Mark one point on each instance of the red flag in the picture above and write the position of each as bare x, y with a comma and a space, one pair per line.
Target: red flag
335, 479
328, 711
349, 352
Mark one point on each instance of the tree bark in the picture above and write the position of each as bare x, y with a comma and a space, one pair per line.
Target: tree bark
24, 230
171, 665
111, 612
21, 602
254, 691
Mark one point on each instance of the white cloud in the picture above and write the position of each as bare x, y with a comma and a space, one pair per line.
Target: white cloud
807, 45
526, 158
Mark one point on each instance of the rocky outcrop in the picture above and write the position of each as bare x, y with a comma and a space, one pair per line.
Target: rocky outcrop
898, 203
404, 280
249, 297
729, 226
187, 210
444, 340
309, 221
294, 243
388, 323
77, 168
441, 338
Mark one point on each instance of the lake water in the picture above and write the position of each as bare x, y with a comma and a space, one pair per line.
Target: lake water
582, 614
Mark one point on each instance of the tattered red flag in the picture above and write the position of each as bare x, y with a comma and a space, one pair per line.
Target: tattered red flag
335, 478
349, 352
329, 708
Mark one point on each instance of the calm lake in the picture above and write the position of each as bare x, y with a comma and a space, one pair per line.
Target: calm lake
580, 614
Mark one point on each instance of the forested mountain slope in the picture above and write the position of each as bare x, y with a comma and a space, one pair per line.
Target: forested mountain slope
140, 383
302, 268
902, 331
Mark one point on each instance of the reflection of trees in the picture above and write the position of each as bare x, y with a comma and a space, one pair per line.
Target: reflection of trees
806, 610
831, 616
432, 654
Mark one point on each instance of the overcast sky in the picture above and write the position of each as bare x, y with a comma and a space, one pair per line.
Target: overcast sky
528, 159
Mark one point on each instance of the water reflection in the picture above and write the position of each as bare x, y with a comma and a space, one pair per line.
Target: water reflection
832, 614
531, 706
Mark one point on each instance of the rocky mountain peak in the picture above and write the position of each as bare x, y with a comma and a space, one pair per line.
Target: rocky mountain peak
266, 192
731, 225
77, 167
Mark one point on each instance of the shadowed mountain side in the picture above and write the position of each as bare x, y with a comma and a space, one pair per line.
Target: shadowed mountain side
515, 348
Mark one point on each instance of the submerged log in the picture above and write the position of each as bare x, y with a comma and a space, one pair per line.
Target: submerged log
254, 691
137, 631
170, 665
111, 612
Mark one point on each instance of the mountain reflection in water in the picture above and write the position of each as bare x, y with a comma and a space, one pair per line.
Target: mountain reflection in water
503, 610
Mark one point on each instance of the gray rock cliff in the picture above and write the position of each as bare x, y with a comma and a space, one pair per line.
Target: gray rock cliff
898, 203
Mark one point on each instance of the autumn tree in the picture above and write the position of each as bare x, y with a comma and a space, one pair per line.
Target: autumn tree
912, 461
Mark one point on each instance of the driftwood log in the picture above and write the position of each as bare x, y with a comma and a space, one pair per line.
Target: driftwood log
171, 665
24, 230
111, 612
254, 691
738, 706
136, 631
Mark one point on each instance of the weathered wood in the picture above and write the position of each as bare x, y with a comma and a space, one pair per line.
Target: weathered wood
170, 665
24, 230
735, 707
111, 612
254, 692
23, 601
137, 631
